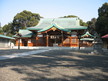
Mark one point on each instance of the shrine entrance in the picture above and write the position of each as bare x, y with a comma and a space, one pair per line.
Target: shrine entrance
54, 36
55, 40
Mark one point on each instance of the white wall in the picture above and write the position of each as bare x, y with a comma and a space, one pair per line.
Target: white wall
5, 43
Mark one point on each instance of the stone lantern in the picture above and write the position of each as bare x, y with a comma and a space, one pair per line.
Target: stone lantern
97, 47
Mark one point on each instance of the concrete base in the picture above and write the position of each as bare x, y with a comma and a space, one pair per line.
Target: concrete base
52, 48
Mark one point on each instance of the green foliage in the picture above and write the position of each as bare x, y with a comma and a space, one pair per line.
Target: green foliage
69, 16
82, 23
102, 20
1, 31
92, 23
21, 21
8, 29
103, 11
26, 19
91, 26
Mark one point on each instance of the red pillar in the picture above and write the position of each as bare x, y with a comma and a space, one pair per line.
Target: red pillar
47, 40
70, 41
36, 41
62, 38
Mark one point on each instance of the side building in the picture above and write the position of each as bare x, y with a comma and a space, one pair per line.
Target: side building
63, 32
5, 41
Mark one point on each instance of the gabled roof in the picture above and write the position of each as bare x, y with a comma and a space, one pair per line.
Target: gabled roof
87, 33
53, 25
66, 23
6, 37
24, 33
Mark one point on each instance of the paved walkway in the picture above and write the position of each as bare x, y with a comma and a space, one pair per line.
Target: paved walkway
18, 54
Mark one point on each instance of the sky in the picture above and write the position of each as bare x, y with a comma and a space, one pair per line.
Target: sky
84, 9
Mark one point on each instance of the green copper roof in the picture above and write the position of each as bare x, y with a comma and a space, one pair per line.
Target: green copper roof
24, 33
42, 24
87, 33
87, 39
6, 37
54, 25
34, 28
66, 23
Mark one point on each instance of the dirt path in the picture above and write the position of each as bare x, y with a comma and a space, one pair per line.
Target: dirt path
56, 65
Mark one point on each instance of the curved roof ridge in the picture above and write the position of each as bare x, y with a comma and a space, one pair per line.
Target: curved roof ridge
53, 25
56, 25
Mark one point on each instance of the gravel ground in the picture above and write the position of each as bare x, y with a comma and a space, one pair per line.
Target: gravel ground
56, 65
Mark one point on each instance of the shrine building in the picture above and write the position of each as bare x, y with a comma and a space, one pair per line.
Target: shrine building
61, 32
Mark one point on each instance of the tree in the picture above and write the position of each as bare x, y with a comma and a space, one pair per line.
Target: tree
1, 31
8, 29
82, 23
73, 16
92, 23
102, 20
69, 16
91, 26
21, 21
25, 19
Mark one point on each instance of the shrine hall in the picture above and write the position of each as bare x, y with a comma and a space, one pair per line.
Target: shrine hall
61, 32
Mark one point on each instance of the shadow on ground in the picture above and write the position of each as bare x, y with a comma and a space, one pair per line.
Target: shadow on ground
59, 65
